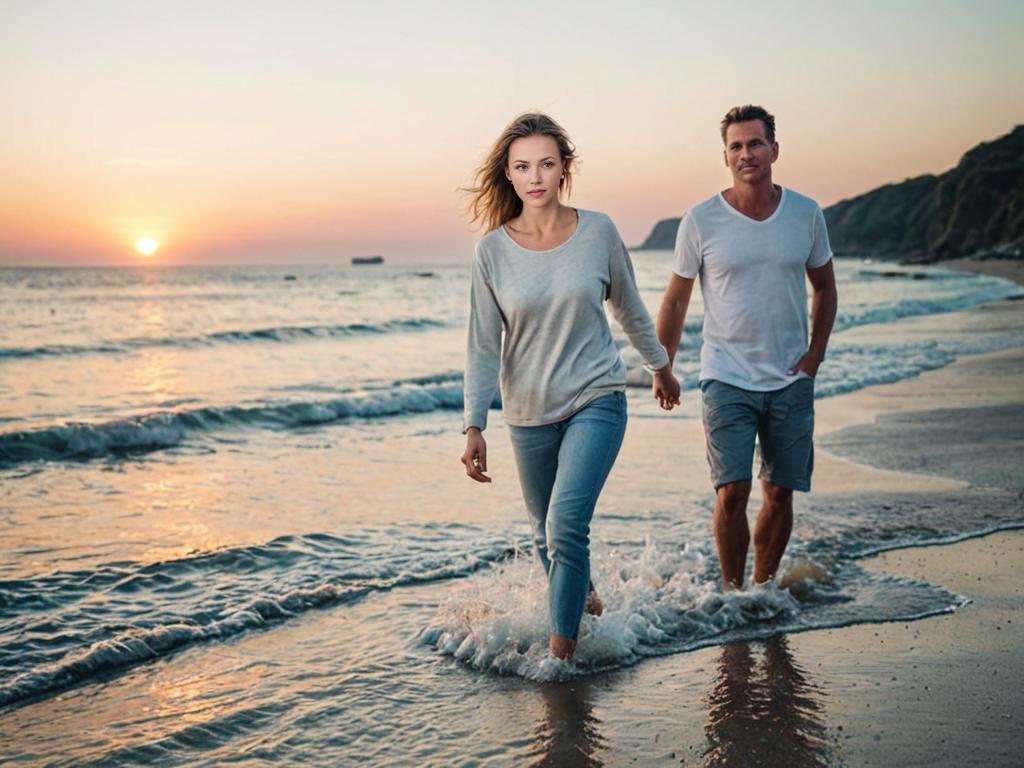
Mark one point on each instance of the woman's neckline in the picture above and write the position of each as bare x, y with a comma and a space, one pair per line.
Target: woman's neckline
520, 246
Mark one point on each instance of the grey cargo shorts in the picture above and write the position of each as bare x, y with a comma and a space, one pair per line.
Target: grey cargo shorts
782, 421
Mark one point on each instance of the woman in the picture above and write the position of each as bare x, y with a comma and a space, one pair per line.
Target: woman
540, 277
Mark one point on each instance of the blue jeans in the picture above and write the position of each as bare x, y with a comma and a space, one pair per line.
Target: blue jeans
562, 468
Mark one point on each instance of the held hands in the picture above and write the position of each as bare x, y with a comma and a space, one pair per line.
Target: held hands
475, 457
807, 364
665, 388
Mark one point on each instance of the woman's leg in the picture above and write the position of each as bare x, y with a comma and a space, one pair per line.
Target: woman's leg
590, 444
537, 463
536, 452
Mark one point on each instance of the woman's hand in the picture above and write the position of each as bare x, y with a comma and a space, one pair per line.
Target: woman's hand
475, 457
665, 388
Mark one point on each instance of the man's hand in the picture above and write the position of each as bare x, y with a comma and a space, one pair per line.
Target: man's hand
808, 364
475, 456
665, 388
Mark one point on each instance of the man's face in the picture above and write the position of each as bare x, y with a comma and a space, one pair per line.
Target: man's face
748, 153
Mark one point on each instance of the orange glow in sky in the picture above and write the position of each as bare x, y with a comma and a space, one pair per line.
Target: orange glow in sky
352, 129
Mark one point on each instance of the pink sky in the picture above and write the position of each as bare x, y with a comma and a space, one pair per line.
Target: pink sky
234, 132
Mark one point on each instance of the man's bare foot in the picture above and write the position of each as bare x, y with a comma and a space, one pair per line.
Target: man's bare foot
562, 647
593, 606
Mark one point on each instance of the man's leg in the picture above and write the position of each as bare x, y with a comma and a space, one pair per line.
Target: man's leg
732, 534
730, 426
771, 533
787, 461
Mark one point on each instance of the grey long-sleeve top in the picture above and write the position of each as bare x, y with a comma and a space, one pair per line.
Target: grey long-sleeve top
558, 352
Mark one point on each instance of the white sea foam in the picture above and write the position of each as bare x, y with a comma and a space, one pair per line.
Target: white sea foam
657, 600
251, 335
169, 428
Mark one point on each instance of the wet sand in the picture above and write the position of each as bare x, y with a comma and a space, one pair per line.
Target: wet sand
941, 691
1011, 269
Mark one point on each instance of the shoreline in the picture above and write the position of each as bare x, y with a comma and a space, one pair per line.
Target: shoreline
1010, 269
914, 692
941, 690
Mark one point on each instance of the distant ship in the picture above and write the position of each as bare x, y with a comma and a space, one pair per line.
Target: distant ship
367, 259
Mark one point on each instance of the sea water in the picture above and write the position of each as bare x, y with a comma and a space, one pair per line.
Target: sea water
232, 515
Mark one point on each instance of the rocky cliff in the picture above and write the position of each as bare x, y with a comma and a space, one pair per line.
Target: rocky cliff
663, 236
975, 209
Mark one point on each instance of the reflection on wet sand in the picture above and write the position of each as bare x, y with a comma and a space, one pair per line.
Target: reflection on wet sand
764, 711
568, 735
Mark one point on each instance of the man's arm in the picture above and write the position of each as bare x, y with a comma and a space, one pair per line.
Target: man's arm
824, 305
672, 313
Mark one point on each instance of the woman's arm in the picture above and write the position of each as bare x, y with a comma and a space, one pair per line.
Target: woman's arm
483, 360
632, 315
630, 312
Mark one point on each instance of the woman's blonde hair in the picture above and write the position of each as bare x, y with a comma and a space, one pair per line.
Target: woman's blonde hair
493, 200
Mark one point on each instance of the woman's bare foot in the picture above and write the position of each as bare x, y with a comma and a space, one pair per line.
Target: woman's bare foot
562, 647
593, 606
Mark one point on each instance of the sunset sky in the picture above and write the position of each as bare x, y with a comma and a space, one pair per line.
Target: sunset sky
287, 132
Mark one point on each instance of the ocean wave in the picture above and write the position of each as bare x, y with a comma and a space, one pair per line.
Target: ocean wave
272, 334
665, 598
658, 601
966, 291
121, 615
81, 441
903, 273
856, 315
166, 429
65, 628
854, 528
851, 367
142, 644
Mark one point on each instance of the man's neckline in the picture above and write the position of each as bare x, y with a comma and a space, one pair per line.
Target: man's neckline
751, 219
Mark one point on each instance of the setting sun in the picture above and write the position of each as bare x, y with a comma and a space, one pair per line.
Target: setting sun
147, 246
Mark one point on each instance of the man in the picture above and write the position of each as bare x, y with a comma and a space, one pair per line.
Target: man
752, 244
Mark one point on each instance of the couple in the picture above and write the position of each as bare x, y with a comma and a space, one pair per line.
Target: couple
540, 278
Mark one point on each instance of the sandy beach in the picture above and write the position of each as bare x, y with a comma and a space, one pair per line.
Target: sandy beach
1011, 269
943, 691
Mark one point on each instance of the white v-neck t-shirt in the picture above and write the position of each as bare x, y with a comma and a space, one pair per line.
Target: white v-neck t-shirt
753, 281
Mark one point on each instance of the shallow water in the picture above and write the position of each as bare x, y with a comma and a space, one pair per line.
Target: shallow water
234, 527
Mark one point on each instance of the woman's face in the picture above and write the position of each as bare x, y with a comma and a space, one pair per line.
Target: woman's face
535, 170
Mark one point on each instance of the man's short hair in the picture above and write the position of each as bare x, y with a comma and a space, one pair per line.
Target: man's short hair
750, 112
